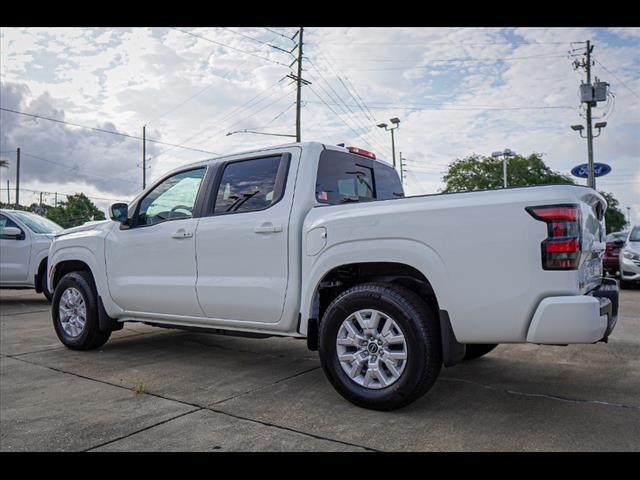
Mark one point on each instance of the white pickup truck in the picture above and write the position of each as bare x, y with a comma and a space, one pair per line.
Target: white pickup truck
318, 242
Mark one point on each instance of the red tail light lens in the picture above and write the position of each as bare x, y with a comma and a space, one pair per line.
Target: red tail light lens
561, 249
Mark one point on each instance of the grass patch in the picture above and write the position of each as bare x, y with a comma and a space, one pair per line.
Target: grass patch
140, 388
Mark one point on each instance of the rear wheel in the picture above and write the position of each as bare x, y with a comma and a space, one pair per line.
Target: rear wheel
475, 350
380, 346
75, 312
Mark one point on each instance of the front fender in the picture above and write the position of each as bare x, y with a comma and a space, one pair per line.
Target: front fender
396, 250
87, 255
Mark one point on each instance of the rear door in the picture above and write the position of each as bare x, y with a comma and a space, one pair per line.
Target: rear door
241, 246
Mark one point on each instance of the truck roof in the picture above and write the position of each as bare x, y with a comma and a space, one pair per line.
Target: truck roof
222, 158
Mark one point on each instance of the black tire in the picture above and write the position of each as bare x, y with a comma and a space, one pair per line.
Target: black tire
44, 287
476, 350
420, 327
91, 337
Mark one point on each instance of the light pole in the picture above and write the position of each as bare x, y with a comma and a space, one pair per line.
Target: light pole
629, 216
395, 121
504, 154
261, 133
591, 178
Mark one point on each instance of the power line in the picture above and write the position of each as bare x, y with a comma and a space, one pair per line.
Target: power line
344, 110
442, 106
277, 33
372, 137
357, 135
233, 112
617, 78
75, 168
102, 130
229, 46
257, 40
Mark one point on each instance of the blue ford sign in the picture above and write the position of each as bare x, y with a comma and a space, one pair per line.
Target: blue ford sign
582, 171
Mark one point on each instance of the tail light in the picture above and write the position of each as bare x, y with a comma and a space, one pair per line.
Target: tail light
363, 152
561, 249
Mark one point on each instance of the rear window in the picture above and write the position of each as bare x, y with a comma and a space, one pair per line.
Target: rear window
346, 178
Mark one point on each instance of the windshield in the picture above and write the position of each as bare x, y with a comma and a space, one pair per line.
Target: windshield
36, 223
635, 235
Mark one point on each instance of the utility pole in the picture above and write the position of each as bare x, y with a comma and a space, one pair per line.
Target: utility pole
629, 216
590, 94
299, 81
8, 195
40, 199
591, 181
55, 200
402, 169
299, 86
144, 157
17, 178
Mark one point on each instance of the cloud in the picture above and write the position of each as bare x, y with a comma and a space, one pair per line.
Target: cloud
62, 155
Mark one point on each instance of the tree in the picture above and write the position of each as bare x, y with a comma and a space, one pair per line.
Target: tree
76, 210
479, 173
613, 217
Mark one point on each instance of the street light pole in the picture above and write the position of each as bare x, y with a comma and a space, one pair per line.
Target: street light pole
504, 154
262, 133
396, 122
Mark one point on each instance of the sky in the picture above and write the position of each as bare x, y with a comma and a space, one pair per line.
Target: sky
456, 91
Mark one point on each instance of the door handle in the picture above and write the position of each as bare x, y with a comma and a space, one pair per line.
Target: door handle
267, 227
181, 233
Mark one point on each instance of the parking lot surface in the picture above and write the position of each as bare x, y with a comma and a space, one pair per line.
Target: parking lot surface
159, 389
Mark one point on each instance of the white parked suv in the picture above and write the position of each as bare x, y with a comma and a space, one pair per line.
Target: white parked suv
630, 259
318, 242
24, 246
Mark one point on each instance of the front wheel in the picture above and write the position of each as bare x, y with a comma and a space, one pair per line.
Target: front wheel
380, 346
75, 312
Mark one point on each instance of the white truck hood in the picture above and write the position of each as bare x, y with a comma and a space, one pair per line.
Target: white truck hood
93, 225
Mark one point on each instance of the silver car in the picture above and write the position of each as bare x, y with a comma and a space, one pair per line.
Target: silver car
630, 259
24, 247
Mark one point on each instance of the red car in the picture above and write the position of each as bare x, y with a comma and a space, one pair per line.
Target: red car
611, 261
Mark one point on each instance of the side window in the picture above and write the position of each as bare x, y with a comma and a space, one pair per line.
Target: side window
387, 182
7, 222
346, 178
173, 199
248, 185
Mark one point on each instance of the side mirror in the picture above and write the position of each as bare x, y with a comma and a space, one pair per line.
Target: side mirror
14, 232
119, 212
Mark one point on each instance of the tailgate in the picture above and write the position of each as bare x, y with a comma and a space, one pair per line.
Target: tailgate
593, 233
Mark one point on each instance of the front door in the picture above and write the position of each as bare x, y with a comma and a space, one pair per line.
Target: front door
242, 248
151, 267
15, 254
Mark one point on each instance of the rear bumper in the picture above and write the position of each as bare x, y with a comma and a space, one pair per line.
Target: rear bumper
576, 319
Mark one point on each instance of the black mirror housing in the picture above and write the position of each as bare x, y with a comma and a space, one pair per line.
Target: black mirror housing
119, 212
